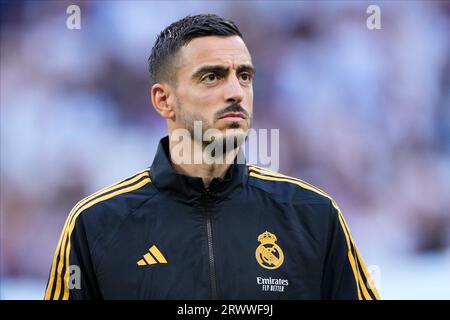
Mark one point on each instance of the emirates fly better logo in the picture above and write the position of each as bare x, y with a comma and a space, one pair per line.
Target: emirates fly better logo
270, 256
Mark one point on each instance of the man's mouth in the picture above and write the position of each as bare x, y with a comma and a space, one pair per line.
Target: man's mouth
233, 116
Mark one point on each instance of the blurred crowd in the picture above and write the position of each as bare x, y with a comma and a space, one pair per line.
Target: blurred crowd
363, 114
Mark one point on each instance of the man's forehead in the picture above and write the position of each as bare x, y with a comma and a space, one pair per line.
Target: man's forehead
214, 50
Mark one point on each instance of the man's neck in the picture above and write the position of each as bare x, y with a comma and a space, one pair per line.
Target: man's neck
203, 170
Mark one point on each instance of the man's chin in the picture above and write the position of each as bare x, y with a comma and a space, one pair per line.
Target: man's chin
234, 128
234, 131
233, 138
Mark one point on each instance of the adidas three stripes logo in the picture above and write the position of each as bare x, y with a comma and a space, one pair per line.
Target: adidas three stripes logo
153, 256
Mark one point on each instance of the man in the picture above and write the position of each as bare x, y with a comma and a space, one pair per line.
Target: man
192, 227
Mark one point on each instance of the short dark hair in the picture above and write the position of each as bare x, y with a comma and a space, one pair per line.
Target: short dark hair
180, 33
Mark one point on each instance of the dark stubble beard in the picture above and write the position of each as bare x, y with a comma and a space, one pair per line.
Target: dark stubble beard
222, 142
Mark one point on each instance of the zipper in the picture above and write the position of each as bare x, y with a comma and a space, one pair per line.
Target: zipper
212, 267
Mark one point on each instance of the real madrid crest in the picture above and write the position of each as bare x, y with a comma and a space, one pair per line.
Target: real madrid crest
268, 254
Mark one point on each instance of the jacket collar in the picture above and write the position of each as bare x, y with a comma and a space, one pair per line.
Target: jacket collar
164, 177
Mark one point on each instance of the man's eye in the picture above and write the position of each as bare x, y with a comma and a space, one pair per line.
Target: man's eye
246, 77
210, 77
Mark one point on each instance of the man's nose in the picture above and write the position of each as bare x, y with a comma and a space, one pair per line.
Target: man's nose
233, 91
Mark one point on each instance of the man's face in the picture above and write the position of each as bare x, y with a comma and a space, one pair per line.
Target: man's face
214, 85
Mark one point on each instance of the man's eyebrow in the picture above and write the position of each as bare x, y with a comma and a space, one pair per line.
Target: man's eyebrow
209, 68
220, 69
246, 67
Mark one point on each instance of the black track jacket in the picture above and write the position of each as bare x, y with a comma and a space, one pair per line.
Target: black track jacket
256, 234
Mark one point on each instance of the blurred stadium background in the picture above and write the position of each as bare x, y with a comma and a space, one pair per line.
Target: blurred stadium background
363, 114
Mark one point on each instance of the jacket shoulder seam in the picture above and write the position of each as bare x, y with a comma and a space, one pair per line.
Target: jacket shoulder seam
268, 175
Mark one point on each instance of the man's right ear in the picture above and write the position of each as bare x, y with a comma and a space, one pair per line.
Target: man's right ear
161, 100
